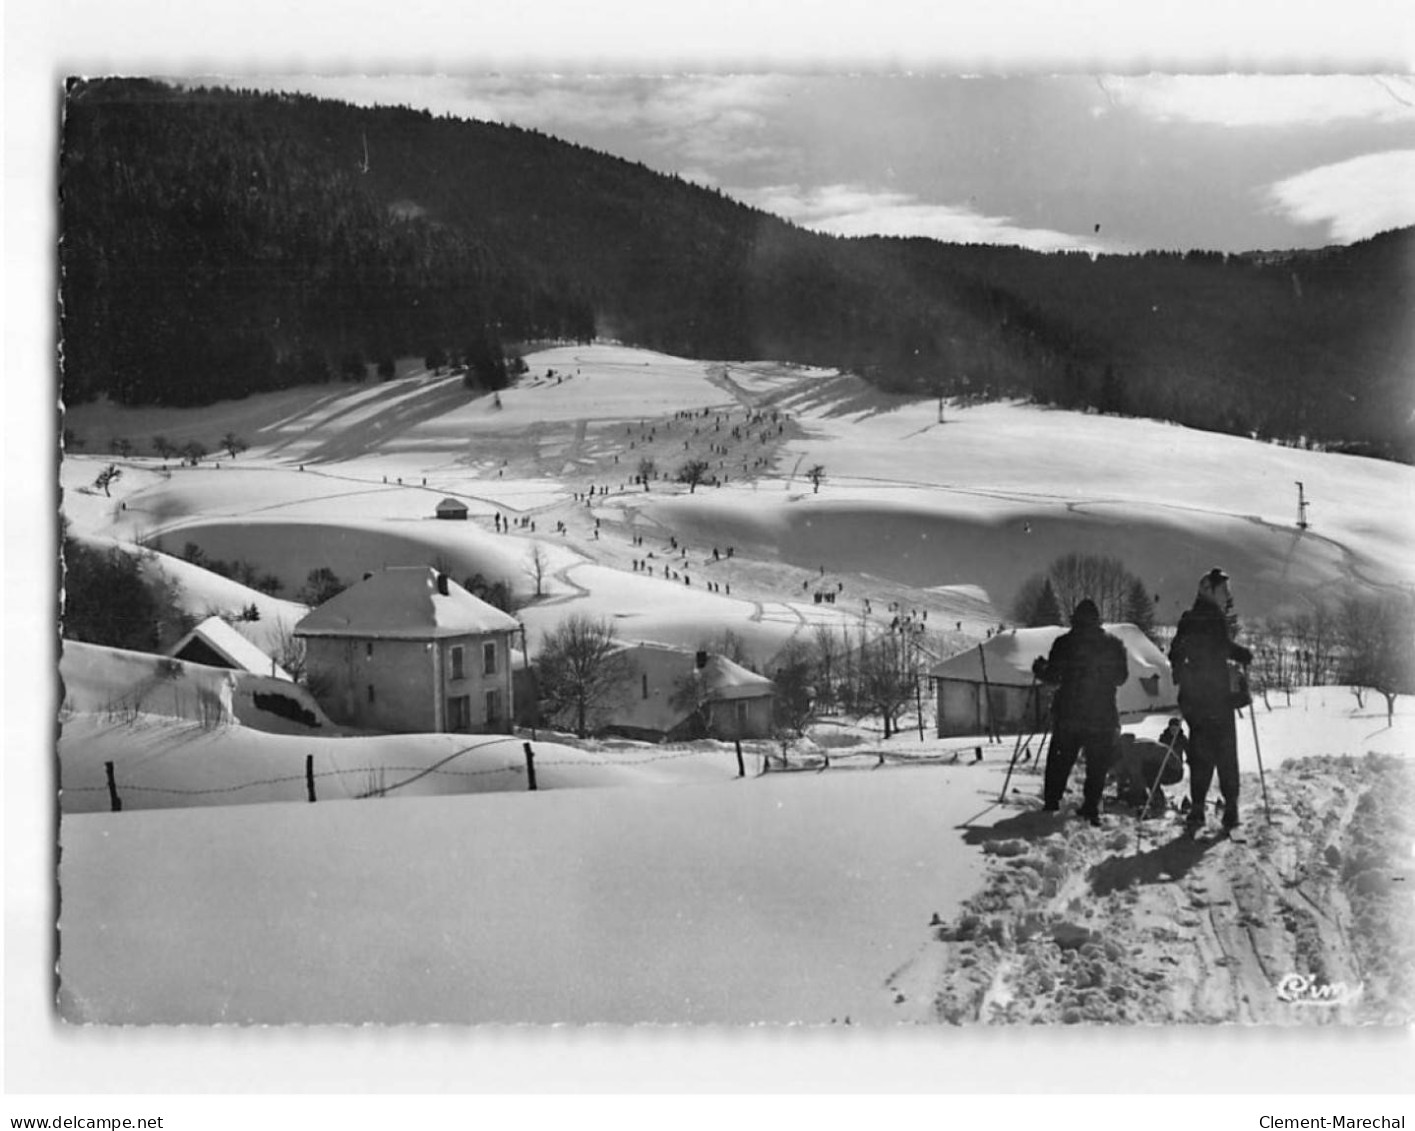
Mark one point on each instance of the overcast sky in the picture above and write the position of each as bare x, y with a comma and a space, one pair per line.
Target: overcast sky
1222, 162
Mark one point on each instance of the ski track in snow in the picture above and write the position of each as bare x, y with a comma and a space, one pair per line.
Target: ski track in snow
1082, 925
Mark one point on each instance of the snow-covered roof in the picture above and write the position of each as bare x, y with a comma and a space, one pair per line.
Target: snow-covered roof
451, 504
727, 680
404, 603
231, 646
722, 678
1010, 654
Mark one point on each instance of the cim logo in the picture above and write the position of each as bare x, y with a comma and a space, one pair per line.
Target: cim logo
1304, 989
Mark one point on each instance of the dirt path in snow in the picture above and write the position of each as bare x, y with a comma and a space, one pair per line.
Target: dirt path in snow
1308, 921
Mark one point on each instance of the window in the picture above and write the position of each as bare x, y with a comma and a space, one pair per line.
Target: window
488, 658
457, 663
741, 716
370, 693
645, 678
368, 649
459, 712
493, 708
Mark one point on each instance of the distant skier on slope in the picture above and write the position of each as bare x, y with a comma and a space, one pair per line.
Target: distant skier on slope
1088, 664
1201, 658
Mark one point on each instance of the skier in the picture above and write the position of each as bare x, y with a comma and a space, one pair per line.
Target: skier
1201, 658
1089, 665
1143, 766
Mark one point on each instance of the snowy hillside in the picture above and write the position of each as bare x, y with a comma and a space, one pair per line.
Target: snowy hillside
790, 897
863, 883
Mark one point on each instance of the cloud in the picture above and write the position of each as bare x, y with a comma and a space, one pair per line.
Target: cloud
1355, 198
849, 210
1266, 100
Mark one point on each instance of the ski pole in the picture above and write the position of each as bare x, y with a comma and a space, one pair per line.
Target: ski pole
1257, 749
992, 732
1150, 797
1017, 746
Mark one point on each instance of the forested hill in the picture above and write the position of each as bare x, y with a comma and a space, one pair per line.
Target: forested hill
216, 243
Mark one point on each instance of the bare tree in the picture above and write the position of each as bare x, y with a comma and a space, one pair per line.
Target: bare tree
816, 475
691, 694
164, 447
692, 473
108, 476
889, 673
233, 444
828, 649
1316, 636
537, 566
729, 645
1379, 637
580, 671
795, 671
121, 446
1119, 594
194, 452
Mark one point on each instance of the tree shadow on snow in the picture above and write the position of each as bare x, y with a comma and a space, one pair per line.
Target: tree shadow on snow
1163, 864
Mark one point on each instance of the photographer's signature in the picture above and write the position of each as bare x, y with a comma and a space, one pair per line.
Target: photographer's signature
1306, 989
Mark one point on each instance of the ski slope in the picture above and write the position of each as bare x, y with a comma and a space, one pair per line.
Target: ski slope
427, 883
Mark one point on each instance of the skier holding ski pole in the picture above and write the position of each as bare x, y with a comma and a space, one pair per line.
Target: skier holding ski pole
1088, 665
1201, 658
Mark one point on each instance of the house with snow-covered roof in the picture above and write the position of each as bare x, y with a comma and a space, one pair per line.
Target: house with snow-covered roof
409, 650
451, 508
990, 687
674, 694
217, 644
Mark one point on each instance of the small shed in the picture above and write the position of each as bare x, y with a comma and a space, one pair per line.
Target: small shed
452, 509
218, 645
1010, 702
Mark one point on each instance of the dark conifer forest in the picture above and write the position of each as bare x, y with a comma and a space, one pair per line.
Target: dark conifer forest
218, 243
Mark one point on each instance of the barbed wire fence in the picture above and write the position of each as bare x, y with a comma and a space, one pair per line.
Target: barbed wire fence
370, 781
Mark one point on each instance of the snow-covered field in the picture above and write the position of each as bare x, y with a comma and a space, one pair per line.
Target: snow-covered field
428, 884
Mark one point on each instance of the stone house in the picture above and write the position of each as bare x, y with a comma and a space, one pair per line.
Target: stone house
409, 650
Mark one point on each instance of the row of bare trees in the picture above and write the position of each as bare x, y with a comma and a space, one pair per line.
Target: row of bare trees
1360, 641
580, 674
1049, 596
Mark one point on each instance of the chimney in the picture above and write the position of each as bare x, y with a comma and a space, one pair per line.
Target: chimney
701, 660
442, 584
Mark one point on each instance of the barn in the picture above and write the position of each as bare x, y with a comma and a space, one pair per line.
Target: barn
1009, 701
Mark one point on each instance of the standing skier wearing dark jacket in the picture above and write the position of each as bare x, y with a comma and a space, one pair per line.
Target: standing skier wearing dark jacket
1088, 664
1199, 658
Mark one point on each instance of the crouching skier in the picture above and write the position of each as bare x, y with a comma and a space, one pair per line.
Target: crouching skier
1087, 665
1201, 657
1144, 767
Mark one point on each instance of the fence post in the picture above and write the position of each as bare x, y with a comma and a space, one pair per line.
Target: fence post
741, 767
977, 753
530, 765
309, 776
114, 801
